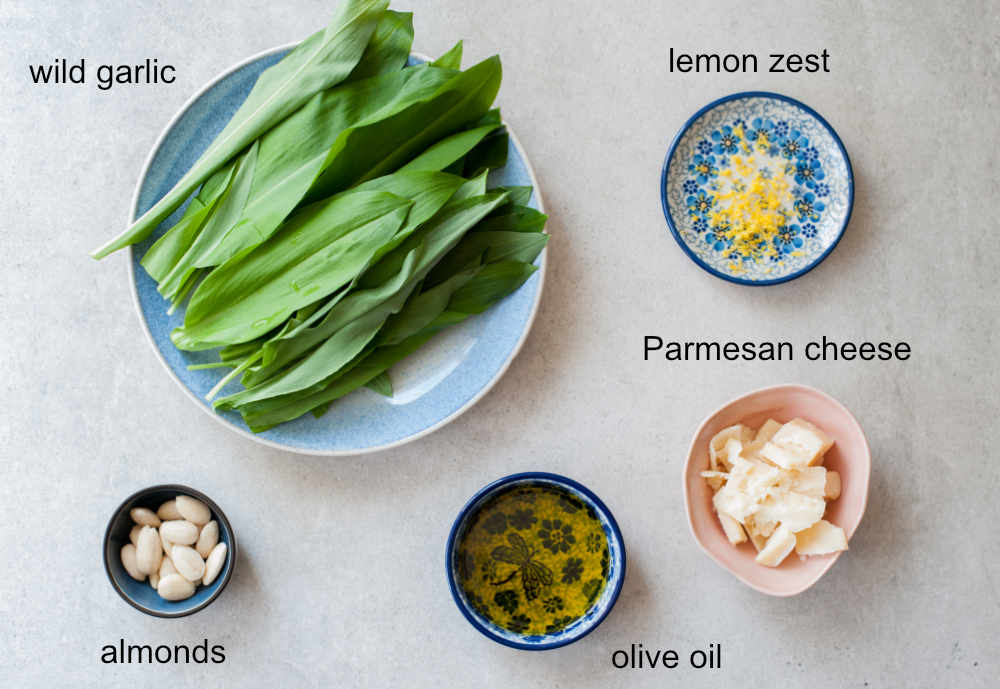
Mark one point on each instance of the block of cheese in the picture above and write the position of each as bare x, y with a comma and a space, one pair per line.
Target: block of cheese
732, 450
803, 440
779, 545
832, 490
732, 528
751, 451
821, 538
767, 431
770, 488
761, 527
794, 511
717, 447
715, 479
809, 481
758, 533
753, 478
782, 456
746, 489
734, 502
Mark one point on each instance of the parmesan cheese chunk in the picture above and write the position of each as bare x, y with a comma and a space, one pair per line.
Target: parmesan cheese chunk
803, 439
832, 490
751, 451
715, 479
778, 547
717, 447
733, 529
782, 456
770, 489
821, 538
767, 431
809, 481
747, 486
731, 451
758, 533
794, 511
738, 505
762, 528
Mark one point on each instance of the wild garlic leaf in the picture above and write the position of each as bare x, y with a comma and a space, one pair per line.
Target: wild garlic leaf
429, 191
448, 150
488, 154
389, 47
381, 384
311, 257
493, 282
476, 296
266, 414
208, 248
451, 59
338, 338
321, 61
388, 144
293, 154
514, 218
422, 308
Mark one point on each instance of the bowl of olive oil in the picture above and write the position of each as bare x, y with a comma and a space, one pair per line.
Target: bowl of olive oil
535, 561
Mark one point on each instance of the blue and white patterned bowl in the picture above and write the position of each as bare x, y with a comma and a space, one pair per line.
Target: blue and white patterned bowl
597, 612
139, 594
433, 386
782, 135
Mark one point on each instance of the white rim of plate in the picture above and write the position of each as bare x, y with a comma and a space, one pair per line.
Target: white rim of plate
270, 443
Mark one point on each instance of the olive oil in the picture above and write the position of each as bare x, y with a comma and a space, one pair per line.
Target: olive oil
533, 559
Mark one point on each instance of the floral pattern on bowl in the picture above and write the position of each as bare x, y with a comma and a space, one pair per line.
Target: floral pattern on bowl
774, 138
532, 544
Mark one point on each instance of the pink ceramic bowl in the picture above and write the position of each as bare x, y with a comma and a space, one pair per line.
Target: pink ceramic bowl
849, 455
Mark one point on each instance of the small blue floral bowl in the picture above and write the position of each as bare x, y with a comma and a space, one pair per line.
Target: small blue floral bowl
139, 594
779, 149
597, 610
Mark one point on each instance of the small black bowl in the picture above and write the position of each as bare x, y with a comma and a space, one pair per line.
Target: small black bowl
139, 594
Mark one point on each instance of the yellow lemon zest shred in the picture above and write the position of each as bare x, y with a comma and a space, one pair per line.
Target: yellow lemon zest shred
749, 214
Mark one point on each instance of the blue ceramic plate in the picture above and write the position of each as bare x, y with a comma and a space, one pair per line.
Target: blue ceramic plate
598, 610
726, 144
139, 594
432, 387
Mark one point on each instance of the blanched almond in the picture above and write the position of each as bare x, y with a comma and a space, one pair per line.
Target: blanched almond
128, 562
167, 567
167, 545
154, 580
133, 535
168, 511
207, 539
174, 587
188, 562
179, 532
143, 516
148, 551
193, 510
213, 565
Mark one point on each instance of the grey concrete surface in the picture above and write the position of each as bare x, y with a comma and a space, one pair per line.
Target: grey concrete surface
341, 582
